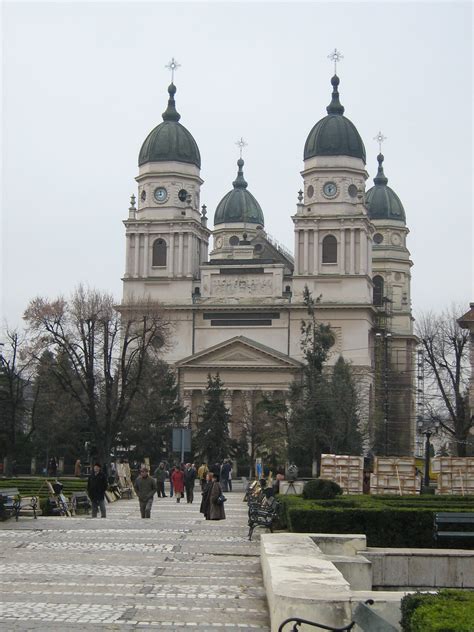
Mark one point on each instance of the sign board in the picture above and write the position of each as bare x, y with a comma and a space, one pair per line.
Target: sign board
181, 440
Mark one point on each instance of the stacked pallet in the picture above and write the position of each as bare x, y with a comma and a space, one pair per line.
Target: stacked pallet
455, 475
346, 471
395, 475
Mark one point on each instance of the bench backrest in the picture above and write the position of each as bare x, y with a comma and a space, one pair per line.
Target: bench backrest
451, 517
9, 492
370, 621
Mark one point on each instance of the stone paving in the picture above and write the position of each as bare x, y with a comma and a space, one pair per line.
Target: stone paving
175, 571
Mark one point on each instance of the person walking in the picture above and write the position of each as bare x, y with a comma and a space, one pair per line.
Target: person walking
145, 486
216, 506
160, 476
77, 468
52, 467
177, 478
206, 493
96, 488
224, 479
202, 474
189, 480
229, 482
170, 474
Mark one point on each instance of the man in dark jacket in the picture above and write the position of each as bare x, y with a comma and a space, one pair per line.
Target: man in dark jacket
96, 488
160, 477
225, 471
189, 479
145, 486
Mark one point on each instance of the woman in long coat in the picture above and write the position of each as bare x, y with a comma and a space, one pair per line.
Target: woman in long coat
216, 512
177, 478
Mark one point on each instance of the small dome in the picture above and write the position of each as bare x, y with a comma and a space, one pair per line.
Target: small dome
334, 135
382, 202
239, 205
170, 140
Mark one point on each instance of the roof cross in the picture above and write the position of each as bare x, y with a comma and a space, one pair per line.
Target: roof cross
241, 144
380, 138
172, 65
335, 56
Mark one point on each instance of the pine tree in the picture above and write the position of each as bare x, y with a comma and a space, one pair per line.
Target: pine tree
212, 439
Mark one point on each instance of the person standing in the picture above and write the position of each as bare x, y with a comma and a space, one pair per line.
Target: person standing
202, 474
229, 482
77, 468
206, 494
160, 476
216, 507
52, 467
177, 478
96, 488
189, 480
145, 486
225, 469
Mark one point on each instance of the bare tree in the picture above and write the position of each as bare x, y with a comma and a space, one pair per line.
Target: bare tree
445, 347
106, 351
16, 371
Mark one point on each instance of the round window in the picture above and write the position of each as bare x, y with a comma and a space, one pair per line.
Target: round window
143, 195
352, 190
378, 238
258, 247
234, 240
310, 191
182, 195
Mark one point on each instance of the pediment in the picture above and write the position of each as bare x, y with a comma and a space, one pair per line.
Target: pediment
239, 352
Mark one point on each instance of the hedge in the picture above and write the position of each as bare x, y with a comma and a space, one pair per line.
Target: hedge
449, 610
385, 523
36, 486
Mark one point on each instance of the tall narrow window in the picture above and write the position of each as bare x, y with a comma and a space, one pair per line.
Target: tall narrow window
378, 290
329, 249
159, 253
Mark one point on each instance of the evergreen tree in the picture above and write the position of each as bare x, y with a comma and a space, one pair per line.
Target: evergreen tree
153, 413
212, 439
345, 437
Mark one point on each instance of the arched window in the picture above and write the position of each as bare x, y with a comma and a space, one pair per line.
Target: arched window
159, 253
378, 290
329, 249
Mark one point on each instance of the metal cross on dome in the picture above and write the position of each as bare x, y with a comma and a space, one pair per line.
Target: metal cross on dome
172, 65
380, 138
241, 144
335, 56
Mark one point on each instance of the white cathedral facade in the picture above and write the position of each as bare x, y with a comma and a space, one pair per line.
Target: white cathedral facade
237, 309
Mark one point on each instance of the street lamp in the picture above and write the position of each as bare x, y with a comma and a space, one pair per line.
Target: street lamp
427, 429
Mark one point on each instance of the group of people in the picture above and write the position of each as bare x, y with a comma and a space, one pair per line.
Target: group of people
214, 481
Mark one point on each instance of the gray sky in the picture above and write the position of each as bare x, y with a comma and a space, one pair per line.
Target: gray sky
84, 83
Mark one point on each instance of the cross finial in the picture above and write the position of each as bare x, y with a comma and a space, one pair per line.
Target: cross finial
172, 65
335, 56
380, 138
241, 144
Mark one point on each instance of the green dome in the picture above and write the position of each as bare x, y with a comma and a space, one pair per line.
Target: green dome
382, 202
334, 135
239, 205
170, 140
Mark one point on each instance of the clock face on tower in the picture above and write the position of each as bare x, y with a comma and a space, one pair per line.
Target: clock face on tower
160, 194
330, 189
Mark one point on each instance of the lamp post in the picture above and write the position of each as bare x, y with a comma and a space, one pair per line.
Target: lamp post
428, 429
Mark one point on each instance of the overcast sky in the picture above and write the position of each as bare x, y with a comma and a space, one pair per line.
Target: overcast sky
85, 82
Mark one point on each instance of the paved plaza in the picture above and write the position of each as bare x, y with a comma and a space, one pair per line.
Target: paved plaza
176, 571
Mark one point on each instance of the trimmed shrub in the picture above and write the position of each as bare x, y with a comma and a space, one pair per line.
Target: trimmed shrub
447, 611
320, 488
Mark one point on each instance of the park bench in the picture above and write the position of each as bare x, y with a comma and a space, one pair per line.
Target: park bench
13, 504
450, 525
263, 512
364, 616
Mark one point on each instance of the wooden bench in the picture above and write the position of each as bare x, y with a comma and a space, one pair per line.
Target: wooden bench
450, 525
14, 504
365, 617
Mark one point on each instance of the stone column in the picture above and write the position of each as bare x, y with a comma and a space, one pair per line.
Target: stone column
297, 251
146, 254
305, 251
228, 405
352, 252
180, 254
128, 263
136, 271
190, 254
363, 252
342, 250
316, 252
171, 256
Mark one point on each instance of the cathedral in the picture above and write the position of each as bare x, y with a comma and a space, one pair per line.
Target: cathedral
235, 302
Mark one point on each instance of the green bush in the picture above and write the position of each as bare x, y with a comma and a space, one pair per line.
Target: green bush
386, 523
447, 611
320, 488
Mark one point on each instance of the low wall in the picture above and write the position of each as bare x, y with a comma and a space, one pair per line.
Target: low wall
322, 577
